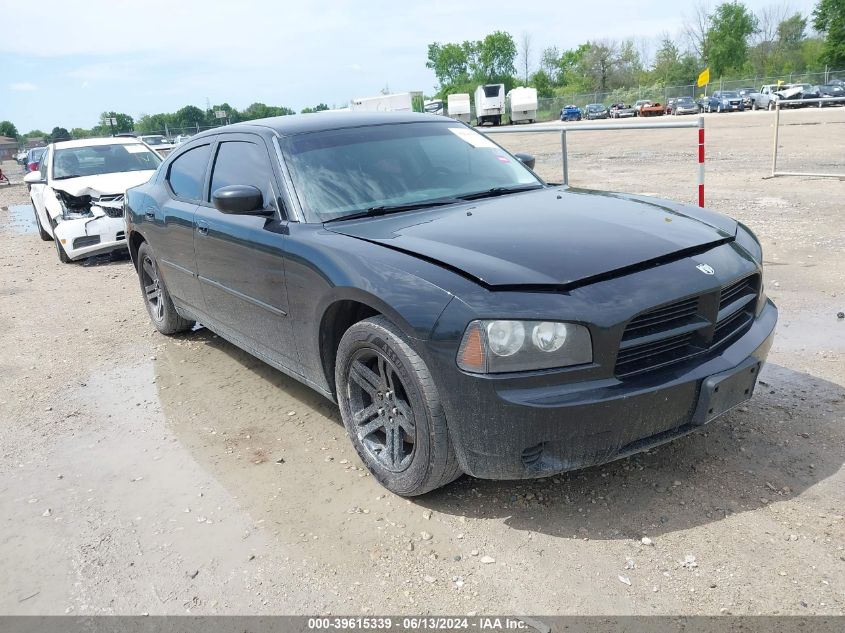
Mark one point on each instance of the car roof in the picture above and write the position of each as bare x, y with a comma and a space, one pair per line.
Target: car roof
327, 120
88, 142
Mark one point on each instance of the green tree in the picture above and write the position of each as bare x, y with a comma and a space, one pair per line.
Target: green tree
829, 19
450, 62
232, 114
543, 83
35, 134
7, 128
726, 42
58, 134
494, 59
155, 123
123, 123
317, 108
262, 111
671, 67
81, 132
189, 116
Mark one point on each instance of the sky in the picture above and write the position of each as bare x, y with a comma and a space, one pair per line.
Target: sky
68, 61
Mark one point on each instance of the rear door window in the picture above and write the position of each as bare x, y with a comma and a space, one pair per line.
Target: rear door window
187, 172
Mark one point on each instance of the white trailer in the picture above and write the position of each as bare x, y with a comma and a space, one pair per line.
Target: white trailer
399, 102
458, 107
489, 104
522, 105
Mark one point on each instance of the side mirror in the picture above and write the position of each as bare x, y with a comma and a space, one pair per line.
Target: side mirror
239, 200
34, 178
526, 159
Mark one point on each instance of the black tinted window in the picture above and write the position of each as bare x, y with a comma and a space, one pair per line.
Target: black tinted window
242, 163
188, 171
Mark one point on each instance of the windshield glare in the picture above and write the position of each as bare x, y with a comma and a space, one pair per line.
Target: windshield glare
94, 160
341, 172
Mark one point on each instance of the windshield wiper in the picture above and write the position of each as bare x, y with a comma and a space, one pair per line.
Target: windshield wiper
499, 191
66, 177
394, 208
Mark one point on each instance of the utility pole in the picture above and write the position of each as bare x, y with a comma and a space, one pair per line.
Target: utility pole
112, 122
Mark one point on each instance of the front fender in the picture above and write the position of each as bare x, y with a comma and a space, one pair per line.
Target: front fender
323, 268
52, 206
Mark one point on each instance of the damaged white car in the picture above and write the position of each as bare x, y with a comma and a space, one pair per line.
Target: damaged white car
78, 193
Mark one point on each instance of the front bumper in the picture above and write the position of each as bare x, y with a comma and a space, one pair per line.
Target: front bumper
84, 237
502, 432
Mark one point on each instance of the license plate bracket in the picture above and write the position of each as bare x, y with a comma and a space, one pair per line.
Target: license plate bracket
722, 392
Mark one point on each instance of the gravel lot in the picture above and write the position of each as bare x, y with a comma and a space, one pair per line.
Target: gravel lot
145, 474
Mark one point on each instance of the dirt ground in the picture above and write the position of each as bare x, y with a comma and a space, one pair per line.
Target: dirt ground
146, 474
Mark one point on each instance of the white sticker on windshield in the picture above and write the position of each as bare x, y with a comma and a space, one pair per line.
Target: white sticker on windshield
135, 148
473, 138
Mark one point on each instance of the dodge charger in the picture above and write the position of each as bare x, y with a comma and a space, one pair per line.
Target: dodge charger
465, 315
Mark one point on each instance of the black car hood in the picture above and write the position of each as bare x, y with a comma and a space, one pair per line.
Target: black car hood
551, 237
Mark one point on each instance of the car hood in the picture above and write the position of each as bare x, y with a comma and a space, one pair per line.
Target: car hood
552, 237
102, 184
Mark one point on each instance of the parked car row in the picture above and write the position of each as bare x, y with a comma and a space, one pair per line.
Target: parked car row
788, 95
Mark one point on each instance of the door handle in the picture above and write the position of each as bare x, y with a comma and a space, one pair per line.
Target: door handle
150, 215
202, 227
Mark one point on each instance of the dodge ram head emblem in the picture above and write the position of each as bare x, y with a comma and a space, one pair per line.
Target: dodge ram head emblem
706, 269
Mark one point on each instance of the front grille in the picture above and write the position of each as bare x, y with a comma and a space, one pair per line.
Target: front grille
87, 240
113, 212
737, 303
661, 319
682, 329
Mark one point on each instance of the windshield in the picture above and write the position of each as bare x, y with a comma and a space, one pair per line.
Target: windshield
685, 101
342, 172
729, 95
595, 106
154, 140
36, 154
73, 162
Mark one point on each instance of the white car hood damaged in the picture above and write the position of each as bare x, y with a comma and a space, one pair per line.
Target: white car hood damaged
103, 184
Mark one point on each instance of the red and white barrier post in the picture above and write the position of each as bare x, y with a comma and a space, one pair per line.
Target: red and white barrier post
701, 161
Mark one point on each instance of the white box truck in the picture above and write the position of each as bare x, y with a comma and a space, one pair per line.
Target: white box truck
458, 107
522, 105
489, 104
399, 102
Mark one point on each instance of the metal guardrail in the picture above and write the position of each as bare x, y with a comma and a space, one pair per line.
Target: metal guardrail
776, 135
594, 127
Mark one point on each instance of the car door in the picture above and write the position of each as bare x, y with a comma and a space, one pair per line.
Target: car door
170, 227
241, 258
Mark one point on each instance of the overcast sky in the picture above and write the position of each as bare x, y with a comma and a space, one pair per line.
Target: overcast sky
65, 62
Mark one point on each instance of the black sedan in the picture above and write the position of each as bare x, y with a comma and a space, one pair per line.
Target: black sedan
465, 315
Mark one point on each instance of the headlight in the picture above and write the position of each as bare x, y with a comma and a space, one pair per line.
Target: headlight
497, 346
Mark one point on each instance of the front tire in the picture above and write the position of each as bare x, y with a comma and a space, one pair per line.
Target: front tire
159, 304
44, 235
392, 411
60, 250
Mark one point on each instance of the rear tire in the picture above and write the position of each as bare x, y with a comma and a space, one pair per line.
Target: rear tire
392, 411
156, 298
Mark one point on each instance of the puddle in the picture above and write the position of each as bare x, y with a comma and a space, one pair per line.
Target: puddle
22, 218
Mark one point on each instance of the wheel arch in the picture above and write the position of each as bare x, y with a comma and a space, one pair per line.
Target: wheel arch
342, 312
134, 243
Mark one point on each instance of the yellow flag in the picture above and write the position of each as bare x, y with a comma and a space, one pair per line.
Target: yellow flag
703, 78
